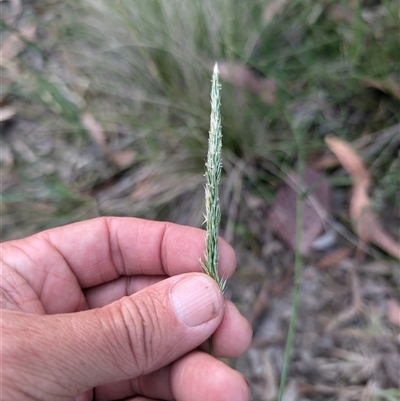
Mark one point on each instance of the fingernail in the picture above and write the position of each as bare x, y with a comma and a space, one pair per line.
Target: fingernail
195, 300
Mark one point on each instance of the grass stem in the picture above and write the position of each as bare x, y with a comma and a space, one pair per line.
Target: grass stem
297, 267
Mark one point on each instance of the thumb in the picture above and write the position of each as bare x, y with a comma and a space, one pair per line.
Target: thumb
138, 334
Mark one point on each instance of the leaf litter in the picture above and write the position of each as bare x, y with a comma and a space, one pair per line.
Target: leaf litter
364, 220
282, 216
336, 301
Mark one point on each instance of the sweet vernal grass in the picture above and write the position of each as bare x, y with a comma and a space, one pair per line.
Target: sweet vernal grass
213, 177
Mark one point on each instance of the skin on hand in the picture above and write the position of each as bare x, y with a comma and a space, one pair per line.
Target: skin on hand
114, 308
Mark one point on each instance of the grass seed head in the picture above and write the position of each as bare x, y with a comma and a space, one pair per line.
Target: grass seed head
213, 177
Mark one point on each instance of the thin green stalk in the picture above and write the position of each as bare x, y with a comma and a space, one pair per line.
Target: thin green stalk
298, 269
358, 32
213, 177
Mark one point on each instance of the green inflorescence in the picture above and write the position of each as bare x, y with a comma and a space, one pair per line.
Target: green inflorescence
213, 177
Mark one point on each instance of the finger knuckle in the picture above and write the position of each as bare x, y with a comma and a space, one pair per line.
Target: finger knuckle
141, 331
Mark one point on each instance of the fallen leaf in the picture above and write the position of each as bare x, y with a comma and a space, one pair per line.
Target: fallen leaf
334, 258
314, 390
380, 267
6, 159
291, 392
267, 290
391, 363
260, 304
123, 158
282, 216
13, 44
393, 312
364, 220
340, 13
272, 9
15, 12
243, 77
349, 159
271, 379
145, 188
377, 139
7, 112
324, 162
325, 240
95, 130
388, 86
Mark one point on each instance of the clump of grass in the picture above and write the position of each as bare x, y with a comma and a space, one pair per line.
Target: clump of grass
140, 68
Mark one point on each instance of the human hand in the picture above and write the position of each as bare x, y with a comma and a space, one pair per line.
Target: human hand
114, 308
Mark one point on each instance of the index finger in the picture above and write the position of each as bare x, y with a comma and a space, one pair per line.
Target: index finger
103, 249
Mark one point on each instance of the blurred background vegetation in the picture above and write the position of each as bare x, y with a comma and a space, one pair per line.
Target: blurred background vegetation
105, 110
142, 69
